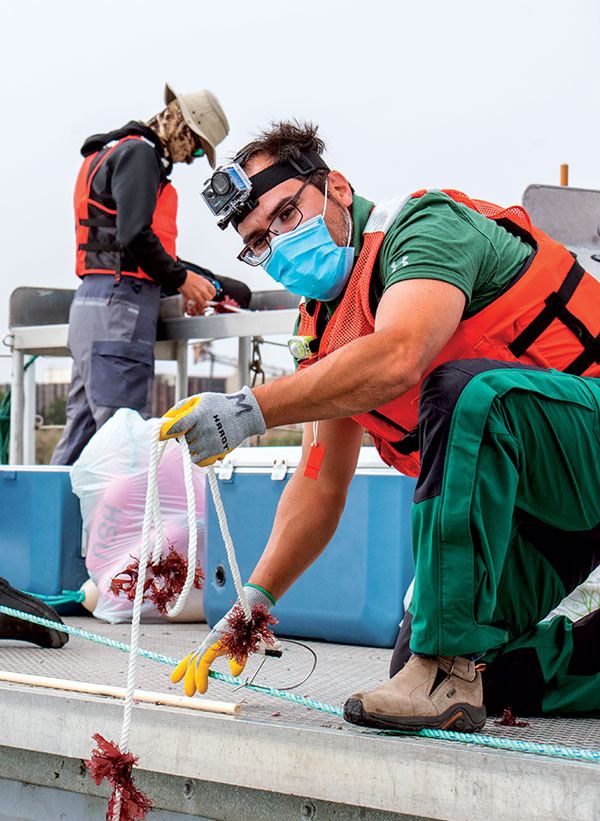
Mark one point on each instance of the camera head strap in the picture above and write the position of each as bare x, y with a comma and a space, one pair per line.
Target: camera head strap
247, 201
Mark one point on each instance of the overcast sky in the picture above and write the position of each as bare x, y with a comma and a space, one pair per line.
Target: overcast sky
484, 97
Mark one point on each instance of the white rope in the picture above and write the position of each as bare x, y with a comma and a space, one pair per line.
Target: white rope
151, 490
233, 565
152, 512
192, 528
159, 537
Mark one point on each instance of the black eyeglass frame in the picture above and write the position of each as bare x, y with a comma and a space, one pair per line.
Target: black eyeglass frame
265, 235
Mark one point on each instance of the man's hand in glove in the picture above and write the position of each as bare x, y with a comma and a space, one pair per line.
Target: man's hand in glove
214, 423
196, 666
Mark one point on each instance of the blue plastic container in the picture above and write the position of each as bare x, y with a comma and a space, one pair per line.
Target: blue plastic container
353, 593
40, 530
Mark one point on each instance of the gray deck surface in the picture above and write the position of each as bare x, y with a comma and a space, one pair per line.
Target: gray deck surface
278, 760
341, 670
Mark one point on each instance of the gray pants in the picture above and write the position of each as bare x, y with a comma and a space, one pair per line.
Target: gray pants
112, 331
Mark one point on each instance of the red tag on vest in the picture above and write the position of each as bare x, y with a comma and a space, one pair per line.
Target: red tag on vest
313, 463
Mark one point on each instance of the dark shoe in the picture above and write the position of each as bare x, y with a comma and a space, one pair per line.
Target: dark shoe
436, 693
12, 627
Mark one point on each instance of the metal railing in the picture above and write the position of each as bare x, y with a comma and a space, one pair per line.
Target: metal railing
38, 325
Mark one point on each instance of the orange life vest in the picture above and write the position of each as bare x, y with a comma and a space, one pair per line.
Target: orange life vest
92, 214
549, 317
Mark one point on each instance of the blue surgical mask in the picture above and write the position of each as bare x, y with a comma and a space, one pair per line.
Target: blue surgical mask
308, 262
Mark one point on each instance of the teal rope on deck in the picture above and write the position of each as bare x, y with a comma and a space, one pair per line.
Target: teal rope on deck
64, 597
497, 742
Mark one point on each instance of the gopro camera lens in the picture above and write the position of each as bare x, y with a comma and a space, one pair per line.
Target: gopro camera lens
221, 183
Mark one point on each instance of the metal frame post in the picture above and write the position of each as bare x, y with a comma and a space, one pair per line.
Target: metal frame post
29, 408
17, 404
244, 347
181, 377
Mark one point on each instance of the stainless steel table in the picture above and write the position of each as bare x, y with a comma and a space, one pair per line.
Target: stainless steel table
38, 325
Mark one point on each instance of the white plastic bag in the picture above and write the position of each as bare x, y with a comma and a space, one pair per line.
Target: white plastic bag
110, 478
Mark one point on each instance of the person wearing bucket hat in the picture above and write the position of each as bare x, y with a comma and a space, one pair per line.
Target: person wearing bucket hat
125, 217
203, 114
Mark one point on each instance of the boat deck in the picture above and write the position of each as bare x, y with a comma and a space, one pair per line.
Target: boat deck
276, 760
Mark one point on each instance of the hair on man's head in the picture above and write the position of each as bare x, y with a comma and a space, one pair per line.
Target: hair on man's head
285, 140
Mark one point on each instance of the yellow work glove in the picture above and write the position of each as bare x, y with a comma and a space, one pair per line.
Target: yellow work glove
194, 668
214, 423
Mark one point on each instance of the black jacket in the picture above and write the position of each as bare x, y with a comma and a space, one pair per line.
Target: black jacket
129, 182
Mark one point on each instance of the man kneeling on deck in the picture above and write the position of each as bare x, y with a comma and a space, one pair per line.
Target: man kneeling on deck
453, 308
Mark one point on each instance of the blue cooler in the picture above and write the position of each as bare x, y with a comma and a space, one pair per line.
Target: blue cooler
40, 530
353, 593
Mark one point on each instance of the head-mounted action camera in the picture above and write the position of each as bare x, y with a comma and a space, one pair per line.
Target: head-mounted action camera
226, 191
231, 194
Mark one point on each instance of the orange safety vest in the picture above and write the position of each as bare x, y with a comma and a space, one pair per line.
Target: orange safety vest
549, 317
92, 214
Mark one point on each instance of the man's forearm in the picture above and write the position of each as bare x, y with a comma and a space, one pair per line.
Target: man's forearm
414, 320
309, 511
362, 375
306, 520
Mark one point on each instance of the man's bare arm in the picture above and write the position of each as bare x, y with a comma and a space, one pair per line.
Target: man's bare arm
309, 510
414, 321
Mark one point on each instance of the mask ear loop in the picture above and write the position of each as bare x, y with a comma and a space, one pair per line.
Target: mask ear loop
325, 201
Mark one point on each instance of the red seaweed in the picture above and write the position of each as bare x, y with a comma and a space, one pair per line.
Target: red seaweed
244, 637
109, 762
509, 720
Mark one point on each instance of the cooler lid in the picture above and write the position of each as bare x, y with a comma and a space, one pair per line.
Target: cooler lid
36, 468
269, 459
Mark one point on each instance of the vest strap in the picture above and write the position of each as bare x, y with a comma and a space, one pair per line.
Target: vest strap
591, 348
555, 309
99, 246
379, 415
98, 222
409, 443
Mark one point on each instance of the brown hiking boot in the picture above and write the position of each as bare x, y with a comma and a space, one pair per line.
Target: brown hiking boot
438, 693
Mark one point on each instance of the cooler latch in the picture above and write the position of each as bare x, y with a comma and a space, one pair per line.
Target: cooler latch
279, 470
226, 470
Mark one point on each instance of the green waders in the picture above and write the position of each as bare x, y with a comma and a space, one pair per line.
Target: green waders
505, 521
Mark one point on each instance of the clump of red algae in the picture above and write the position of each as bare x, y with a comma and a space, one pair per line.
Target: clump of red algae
509, 720
244, 637
109, 762
164, 580
224, 305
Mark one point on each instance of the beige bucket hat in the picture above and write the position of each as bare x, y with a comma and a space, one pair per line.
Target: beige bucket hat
203, 113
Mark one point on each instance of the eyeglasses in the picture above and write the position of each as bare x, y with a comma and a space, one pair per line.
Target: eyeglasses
287, 219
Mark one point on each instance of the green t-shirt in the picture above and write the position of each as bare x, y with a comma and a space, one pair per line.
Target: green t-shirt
435, 237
